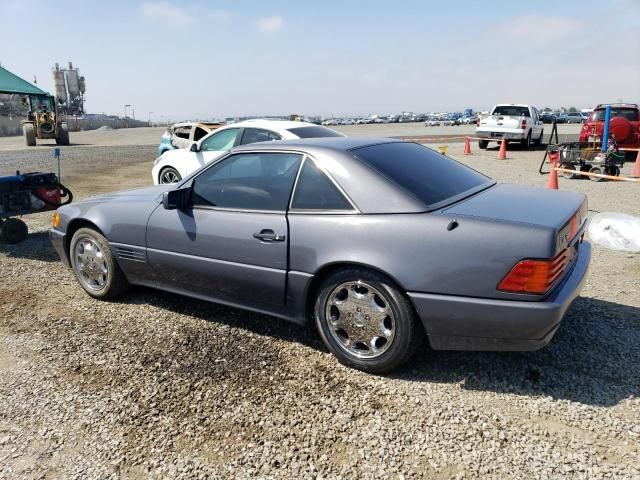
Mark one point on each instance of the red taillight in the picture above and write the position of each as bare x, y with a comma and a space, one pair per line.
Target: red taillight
478, 122
534, 276
523, 124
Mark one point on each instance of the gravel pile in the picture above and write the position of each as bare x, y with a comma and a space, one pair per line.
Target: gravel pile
160, 386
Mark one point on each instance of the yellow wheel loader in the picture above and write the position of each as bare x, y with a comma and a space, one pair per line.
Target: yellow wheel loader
43, 121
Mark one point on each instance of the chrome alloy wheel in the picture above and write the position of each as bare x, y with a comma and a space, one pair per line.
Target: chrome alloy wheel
169, 176
360, 319
90, 263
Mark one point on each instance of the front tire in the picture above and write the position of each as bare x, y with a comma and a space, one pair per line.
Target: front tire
366, 321
94, 265
483, 144
63, 135
169, 175
29, 132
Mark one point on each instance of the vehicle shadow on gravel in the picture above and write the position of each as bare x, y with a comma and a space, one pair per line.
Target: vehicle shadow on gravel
593, 359
230, 316
37, 246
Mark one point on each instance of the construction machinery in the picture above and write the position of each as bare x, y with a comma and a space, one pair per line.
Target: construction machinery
44, 120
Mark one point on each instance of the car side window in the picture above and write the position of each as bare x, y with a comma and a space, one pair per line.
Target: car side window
182, 132
221, 141
199, 133
248, 181
314, 191
255, 135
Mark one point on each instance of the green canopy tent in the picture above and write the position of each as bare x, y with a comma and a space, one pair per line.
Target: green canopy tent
10, 83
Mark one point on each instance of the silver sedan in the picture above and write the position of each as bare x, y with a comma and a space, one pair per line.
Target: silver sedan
380, 243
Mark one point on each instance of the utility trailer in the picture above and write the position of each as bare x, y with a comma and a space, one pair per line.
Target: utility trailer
587, 157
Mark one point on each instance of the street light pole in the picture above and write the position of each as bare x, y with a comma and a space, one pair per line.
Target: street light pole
149, 122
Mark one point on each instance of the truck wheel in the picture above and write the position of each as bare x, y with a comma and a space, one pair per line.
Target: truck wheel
526, 143
13, 230
538, 141
483, 144
63, 135
29, 134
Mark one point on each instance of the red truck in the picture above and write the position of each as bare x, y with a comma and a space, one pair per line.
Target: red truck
624, 126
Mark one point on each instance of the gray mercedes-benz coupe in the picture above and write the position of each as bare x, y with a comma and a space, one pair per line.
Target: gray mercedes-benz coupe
378, 241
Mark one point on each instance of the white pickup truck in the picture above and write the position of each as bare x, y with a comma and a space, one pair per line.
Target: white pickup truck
512, 122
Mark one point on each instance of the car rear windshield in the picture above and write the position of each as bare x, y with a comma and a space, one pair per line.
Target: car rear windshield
511, 111
630, 114
315, 131
429, 176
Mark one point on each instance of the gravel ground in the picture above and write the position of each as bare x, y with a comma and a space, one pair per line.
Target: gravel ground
159, 386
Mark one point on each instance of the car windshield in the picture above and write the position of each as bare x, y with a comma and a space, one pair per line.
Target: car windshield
630, 114
511, 110
315, 131
427, 175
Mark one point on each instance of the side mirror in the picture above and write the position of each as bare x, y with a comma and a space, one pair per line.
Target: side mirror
194, 147
176, 199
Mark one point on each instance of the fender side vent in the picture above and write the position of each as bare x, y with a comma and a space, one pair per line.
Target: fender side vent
131, 254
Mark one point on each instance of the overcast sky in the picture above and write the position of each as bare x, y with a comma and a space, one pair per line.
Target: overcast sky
186, 59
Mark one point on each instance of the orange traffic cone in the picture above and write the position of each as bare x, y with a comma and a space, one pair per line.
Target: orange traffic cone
552, 181
636, 167
467, 146
502, 154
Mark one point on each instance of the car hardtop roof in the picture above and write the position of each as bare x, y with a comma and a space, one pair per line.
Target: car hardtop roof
622, 105
512, 105
266, 122
342, 144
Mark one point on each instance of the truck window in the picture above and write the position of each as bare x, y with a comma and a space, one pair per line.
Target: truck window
511, 110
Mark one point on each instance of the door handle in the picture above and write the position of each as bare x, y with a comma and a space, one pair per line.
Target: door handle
269, 236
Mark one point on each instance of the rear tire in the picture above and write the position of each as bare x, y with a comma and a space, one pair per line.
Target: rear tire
569, 176
366, 321
597, 170
538, 141
63, 135
13, 230
483, 144
526, 143
94, 265
29, 132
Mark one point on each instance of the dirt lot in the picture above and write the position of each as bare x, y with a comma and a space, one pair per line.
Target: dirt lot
160, 386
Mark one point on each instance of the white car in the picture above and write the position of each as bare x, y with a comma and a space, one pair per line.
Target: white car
174, 165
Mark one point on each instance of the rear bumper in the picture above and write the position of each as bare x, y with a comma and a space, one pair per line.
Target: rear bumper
58, 241
498, 135
464, 323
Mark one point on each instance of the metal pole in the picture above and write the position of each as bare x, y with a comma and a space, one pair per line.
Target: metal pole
605, 134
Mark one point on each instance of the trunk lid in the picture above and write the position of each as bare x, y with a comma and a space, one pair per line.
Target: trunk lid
562, 212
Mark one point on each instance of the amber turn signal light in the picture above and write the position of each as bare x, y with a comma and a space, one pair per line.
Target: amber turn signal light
534, 276
56, 220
